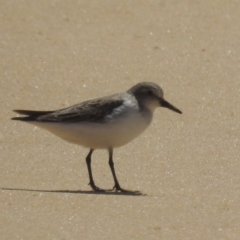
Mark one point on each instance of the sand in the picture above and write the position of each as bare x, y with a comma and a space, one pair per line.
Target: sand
57, 53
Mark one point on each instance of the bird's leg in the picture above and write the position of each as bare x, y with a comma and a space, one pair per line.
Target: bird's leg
88, 161
111, 164
117, 185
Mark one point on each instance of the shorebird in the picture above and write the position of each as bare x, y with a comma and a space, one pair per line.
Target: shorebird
103, 123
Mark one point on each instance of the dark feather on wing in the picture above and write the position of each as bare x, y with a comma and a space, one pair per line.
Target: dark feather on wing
89, 111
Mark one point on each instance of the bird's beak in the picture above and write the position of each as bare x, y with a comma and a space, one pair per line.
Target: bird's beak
164, 103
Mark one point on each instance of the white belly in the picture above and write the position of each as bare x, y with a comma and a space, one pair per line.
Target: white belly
115, 133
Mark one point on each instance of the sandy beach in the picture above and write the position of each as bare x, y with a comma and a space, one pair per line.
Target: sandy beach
58, 53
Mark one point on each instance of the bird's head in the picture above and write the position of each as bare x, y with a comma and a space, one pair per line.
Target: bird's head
150, 95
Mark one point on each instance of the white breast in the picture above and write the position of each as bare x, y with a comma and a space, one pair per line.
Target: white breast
121, 127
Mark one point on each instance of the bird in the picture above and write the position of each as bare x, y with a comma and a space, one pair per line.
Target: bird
103, 123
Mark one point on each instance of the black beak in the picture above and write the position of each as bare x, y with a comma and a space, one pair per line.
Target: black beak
166, 104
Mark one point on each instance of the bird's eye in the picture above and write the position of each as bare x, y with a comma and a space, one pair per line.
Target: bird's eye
150, 93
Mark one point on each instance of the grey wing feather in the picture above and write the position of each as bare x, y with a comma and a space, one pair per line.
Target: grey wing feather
89, 111
30, 115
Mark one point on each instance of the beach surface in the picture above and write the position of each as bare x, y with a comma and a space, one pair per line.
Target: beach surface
58, 53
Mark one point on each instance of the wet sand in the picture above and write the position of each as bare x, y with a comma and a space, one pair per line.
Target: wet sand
58, 53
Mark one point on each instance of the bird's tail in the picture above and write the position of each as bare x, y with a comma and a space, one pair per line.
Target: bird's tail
29, 115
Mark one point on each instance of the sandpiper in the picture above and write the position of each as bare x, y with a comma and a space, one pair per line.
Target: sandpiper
103, 123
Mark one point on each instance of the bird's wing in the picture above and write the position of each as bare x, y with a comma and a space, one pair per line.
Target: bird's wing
90, 111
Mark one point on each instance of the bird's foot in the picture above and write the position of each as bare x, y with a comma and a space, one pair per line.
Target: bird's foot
119, 189
96, 189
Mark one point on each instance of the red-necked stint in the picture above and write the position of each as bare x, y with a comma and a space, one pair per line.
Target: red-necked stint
103, 123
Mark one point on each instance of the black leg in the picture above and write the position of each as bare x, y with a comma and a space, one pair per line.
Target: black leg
117, 185
88, 161
111, 164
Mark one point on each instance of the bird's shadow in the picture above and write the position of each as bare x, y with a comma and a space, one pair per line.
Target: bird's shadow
130, 193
